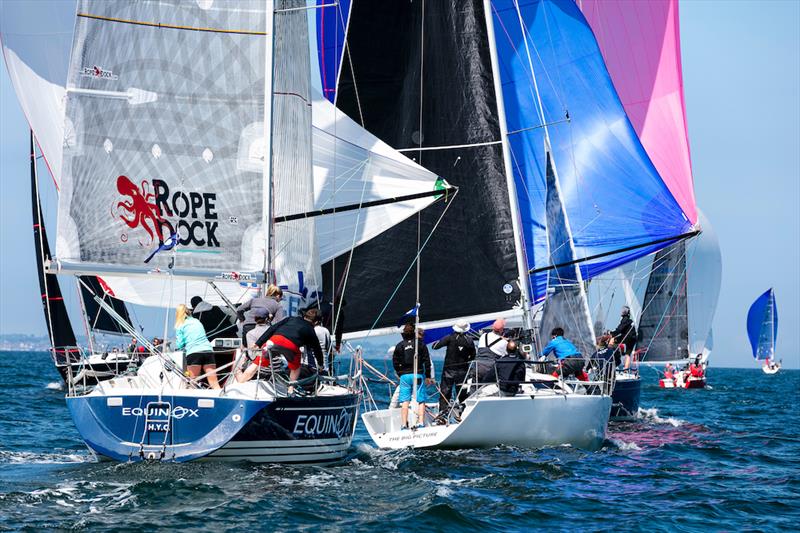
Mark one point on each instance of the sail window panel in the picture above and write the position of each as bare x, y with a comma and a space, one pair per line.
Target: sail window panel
147, 91
613, 195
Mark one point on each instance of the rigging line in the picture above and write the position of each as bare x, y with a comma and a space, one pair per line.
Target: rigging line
675, 238
363, 205
169, 26
445, 147
353, 76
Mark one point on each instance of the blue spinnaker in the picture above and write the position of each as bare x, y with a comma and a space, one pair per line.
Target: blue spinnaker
762, 325
331, 28
613, 196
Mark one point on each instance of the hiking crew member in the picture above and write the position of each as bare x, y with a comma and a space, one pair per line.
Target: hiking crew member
625, 335
569, 358
271, 302
460, 351
289, 335
191, 338
403, 362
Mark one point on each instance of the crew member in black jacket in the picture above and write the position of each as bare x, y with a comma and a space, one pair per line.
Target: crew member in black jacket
403, 362
625, 335
460, 352
289, 335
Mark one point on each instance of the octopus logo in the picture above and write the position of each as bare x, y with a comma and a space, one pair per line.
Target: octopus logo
139, 210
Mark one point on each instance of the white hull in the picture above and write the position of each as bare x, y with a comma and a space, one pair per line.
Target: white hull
544, 420
770, 370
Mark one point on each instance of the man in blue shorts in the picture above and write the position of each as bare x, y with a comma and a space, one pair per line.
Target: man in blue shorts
403, 362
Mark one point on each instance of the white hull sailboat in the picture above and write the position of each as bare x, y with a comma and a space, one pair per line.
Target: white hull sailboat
535, 417
762, 329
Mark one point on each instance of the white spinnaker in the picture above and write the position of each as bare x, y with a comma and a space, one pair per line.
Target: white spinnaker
704, 277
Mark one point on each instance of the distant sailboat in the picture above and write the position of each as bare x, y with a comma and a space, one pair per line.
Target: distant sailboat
762, 328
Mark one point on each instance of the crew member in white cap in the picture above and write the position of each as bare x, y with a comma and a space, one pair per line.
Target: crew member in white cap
460, 352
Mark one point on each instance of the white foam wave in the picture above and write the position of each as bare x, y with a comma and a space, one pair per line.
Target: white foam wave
43, 458
55, 385
652, 415
622, 445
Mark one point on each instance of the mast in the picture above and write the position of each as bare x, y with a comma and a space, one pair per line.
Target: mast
268, 90
771, 325
522, 265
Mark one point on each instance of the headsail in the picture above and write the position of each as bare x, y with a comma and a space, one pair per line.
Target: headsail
762, 325
423, 83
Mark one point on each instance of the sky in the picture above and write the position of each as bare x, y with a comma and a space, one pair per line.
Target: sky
741, 63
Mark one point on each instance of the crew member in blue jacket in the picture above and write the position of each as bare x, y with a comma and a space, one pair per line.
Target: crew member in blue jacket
570, 361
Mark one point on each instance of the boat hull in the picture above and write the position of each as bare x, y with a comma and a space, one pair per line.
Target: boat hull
770, 371
180, 428
625, 398
525, 421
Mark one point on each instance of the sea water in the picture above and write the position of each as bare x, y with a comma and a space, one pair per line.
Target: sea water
724, 458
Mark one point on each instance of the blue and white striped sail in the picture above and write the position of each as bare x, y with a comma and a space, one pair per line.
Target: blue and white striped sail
613, 196
762, 326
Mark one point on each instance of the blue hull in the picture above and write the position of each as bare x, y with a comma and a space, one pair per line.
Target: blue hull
185, 428
625, 399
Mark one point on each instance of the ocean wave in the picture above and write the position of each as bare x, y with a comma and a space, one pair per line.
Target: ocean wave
7, 456
651, 415
55, 385
622, 445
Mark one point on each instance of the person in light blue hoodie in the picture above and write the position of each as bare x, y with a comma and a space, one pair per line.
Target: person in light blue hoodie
570, 361
190, 336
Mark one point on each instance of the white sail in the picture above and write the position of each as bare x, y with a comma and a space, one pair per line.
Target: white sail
165, 141
350, 166
704, 277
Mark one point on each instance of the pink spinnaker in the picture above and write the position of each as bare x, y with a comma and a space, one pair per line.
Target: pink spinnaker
640, 42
